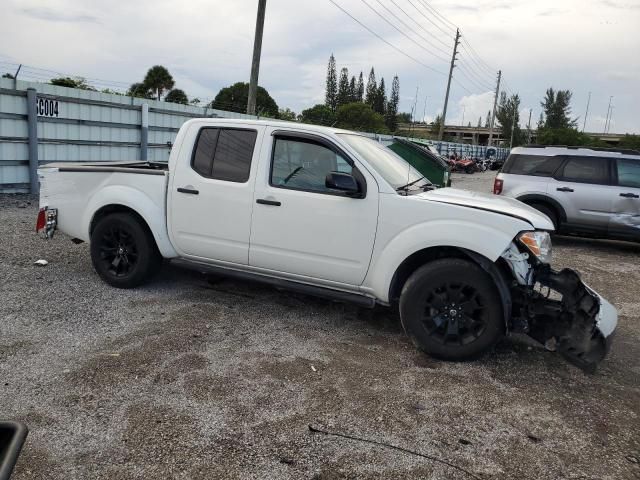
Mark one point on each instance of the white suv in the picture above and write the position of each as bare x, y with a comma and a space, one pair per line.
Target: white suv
587, 191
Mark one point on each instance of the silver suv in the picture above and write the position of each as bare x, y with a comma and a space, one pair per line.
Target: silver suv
585, 191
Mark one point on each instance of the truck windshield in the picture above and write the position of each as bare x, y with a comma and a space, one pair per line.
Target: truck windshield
393, 168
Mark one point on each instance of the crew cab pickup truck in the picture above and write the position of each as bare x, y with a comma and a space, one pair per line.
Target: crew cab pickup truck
330, 212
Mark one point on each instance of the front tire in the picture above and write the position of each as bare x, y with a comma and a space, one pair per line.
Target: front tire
123, 251
451, 309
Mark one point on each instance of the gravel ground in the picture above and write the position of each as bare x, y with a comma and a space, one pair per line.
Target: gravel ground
187, 378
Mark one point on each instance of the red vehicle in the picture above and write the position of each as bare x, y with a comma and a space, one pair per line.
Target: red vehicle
460, 164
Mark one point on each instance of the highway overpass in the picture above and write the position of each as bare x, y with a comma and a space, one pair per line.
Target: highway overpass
480, 135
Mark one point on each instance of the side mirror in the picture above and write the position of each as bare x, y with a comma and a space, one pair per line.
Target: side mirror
342, 181
12, 437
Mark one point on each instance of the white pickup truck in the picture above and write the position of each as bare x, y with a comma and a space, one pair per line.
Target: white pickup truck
330, 212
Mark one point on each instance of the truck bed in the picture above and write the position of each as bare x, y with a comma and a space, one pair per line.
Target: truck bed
79, 189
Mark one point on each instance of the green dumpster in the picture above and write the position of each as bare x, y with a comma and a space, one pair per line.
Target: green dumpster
420, 157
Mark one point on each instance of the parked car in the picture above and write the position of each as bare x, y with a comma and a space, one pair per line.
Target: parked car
332, 213
421, 157
585, 191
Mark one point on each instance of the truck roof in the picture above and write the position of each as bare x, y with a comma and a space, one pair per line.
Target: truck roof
273, 123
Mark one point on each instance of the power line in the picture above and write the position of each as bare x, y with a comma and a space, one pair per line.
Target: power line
429, 19
446, 45
401, 32
480, 69
413, 31
451, 26
480, 59
473, 79
402, 52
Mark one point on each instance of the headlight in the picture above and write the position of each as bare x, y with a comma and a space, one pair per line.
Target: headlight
538, 243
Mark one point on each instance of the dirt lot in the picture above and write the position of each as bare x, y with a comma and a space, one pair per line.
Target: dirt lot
189, 379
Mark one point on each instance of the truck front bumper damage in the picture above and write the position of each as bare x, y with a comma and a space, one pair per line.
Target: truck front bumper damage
564, 314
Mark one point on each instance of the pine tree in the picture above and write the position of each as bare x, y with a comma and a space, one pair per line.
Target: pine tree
541, 121
360, 87
391, 114
557, 109
381, 98
479, 122
343, 88
353, 90
331, 93
372, 89
487, 122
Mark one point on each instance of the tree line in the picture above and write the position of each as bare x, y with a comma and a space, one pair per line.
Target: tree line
349, 99
351, 104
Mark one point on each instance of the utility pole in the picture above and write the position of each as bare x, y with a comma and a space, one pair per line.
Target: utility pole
446, 97
513, 125
529, 127
610, 118
464, 109
255, 63
493, 113
586, 113
413, 110
606, 122
424, 112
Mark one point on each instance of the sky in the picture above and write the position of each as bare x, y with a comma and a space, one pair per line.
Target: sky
581, 45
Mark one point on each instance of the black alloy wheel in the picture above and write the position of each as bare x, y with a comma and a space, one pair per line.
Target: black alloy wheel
123, 250
118, 251
451, 309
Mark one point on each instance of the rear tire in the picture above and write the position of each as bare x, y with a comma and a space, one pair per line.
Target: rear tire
123, 251
549, 212
451, 309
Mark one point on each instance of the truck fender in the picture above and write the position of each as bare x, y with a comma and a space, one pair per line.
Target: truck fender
150, 211
482, 241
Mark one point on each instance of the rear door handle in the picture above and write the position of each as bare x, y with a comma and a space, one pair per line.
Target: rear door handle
564, 189
629, 195
263, 201
188, 190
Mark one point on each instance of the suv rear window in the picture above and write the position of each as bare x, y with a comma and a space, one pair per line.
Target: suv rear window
629, 173
538, 165
224, 153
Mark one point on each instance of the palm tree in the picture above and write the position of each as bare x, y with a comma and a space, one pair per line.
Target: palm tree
158, 79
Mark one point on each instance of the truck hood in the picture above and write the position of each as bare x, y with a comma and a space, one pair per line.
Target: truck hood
491, 203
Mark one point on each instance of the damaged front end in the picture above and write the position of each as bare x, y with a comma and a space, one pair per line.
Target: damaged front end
558, 309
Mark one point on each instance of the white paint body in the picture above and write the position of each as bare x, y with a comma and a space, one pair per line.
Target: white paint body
348, 244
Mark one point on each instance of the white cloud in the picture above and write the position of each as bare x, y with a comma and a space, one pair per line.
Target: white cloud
207, 44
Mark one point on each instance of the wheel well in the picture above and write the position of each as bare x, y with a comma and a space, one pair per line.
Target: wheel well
415, 261
116, 208
547, 202
499, 272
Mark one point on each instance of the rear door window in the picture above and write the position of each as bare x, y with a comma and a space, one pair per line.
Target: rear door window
628, 173
537, 165
224, 153
585, 170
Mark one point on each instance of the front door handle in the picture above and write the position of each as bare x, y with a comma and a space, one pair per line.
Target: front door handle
263, 201
629, 195
564, 189
188, 190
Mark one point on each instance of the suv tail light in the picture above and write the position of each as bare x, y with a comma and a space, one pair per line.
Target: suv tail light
498, 183
42, 219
